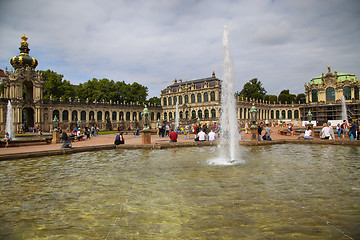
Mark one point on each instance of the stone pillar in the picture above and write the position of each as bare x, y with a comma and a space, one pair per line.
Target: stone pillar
146, 136
56, 137
254, 133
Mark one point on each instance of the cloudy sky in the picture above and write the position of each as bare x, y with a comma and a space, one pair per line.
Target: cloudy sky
282, 43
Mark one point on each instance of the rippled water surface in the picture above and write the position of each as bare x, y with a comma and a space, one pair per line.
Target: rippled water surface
276, 192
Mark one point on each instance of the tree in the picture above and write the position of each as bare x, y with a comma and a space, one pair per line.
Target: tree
301, 97
253, 89
155, 100
56, 88
271, 98
286, 97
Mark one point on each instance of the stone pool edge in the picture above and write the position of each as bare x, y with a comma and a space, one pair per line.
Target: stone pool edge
62, 151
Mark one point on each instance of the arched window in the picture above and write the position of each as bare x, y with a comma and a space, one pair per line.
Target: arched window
57, 114
314, 95
170, 116
193, 114
200, 114
199, 98
158, 116
134, 116
206, 114
356, 92
181, 115
99, 116
74, 115
165, 116
175, 100
91, 115
65, 115
289, 114
283, 113
164, 102
296, 114
330, 94
152, 116
169, 101
277, 114
140, 116
186, 99
347, 92
114, 115
128, 116
107, 115
187, 114
212, 96
206, 97
180, 100
272, 114
83, 116
121, 116
213, 113
192, 98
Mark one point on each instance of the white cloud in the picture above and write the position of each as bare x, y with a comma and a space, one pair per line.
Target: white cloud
283, 43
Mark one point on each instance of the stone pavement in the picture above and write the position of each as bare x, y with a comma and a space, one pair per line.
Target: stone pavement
107, 142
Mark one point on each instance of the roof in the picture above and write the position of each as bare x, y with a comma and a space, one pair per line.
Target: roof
2, 73
342, 77
197, 82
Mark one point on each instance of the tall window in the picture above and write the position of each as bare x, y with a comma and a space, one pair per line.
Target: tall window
289, 114
113, 117
74, 115
65, 115
180, 100
121, 116
83, 116
91, 115
164, 102
128, 116
347, 92
181, 115
200, 114
158, 116
193, 114
107, 115
169, 101
56, 113
175, 100
99, 116
186, 99
212, 96
283, 113
199, 97
277, 114
187, 114
314, 95
272, 114
206, 97
330, 94
213, 113
206, 114
296, 114
165, 116
152, 116
170, 116
134, 117
356, 90
192, 98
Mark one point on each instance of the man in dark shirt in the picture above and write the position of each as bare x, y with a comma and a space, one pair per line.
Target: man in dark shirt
352, 130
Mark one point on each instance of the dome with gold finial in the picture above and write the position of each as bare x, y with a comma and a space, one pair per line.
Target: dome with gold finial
24, 60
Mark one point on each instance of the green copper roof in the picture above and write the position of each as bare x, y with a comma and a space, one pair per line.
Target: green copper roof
341, 78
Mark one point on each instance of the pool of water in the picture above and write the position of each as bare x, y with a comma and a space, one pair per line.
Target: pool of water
274, 192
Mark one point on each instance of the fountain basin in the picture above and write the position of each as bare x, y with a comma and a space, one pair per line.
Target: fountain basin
276, 192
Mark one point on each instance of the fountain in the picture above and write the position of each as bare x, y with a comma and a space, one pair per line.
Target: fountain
229, 138
177, 116
344, 115
9, 120
280, 192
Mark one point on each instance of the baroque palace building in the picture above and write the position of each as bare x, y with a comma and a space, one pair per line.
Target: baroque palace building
24, 86
195, 100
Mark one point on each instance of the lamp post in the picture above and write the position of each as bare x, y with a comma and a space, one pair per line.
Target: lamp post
56, 134
253, 128
309, 118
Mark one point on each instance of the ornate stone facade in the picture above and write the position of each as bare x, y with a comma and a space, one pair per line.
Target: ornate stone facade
24, 88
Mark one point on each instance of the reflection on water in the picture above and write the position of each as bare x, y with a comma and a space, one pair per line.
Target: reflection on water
278, 192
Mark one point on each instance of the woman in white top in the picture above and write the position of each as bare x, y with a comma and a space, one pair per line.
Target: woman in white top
308, 133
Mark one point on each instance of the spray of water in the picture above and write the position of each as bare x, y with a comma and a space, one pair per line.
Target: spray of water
344, 115
9, 120
229, 138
